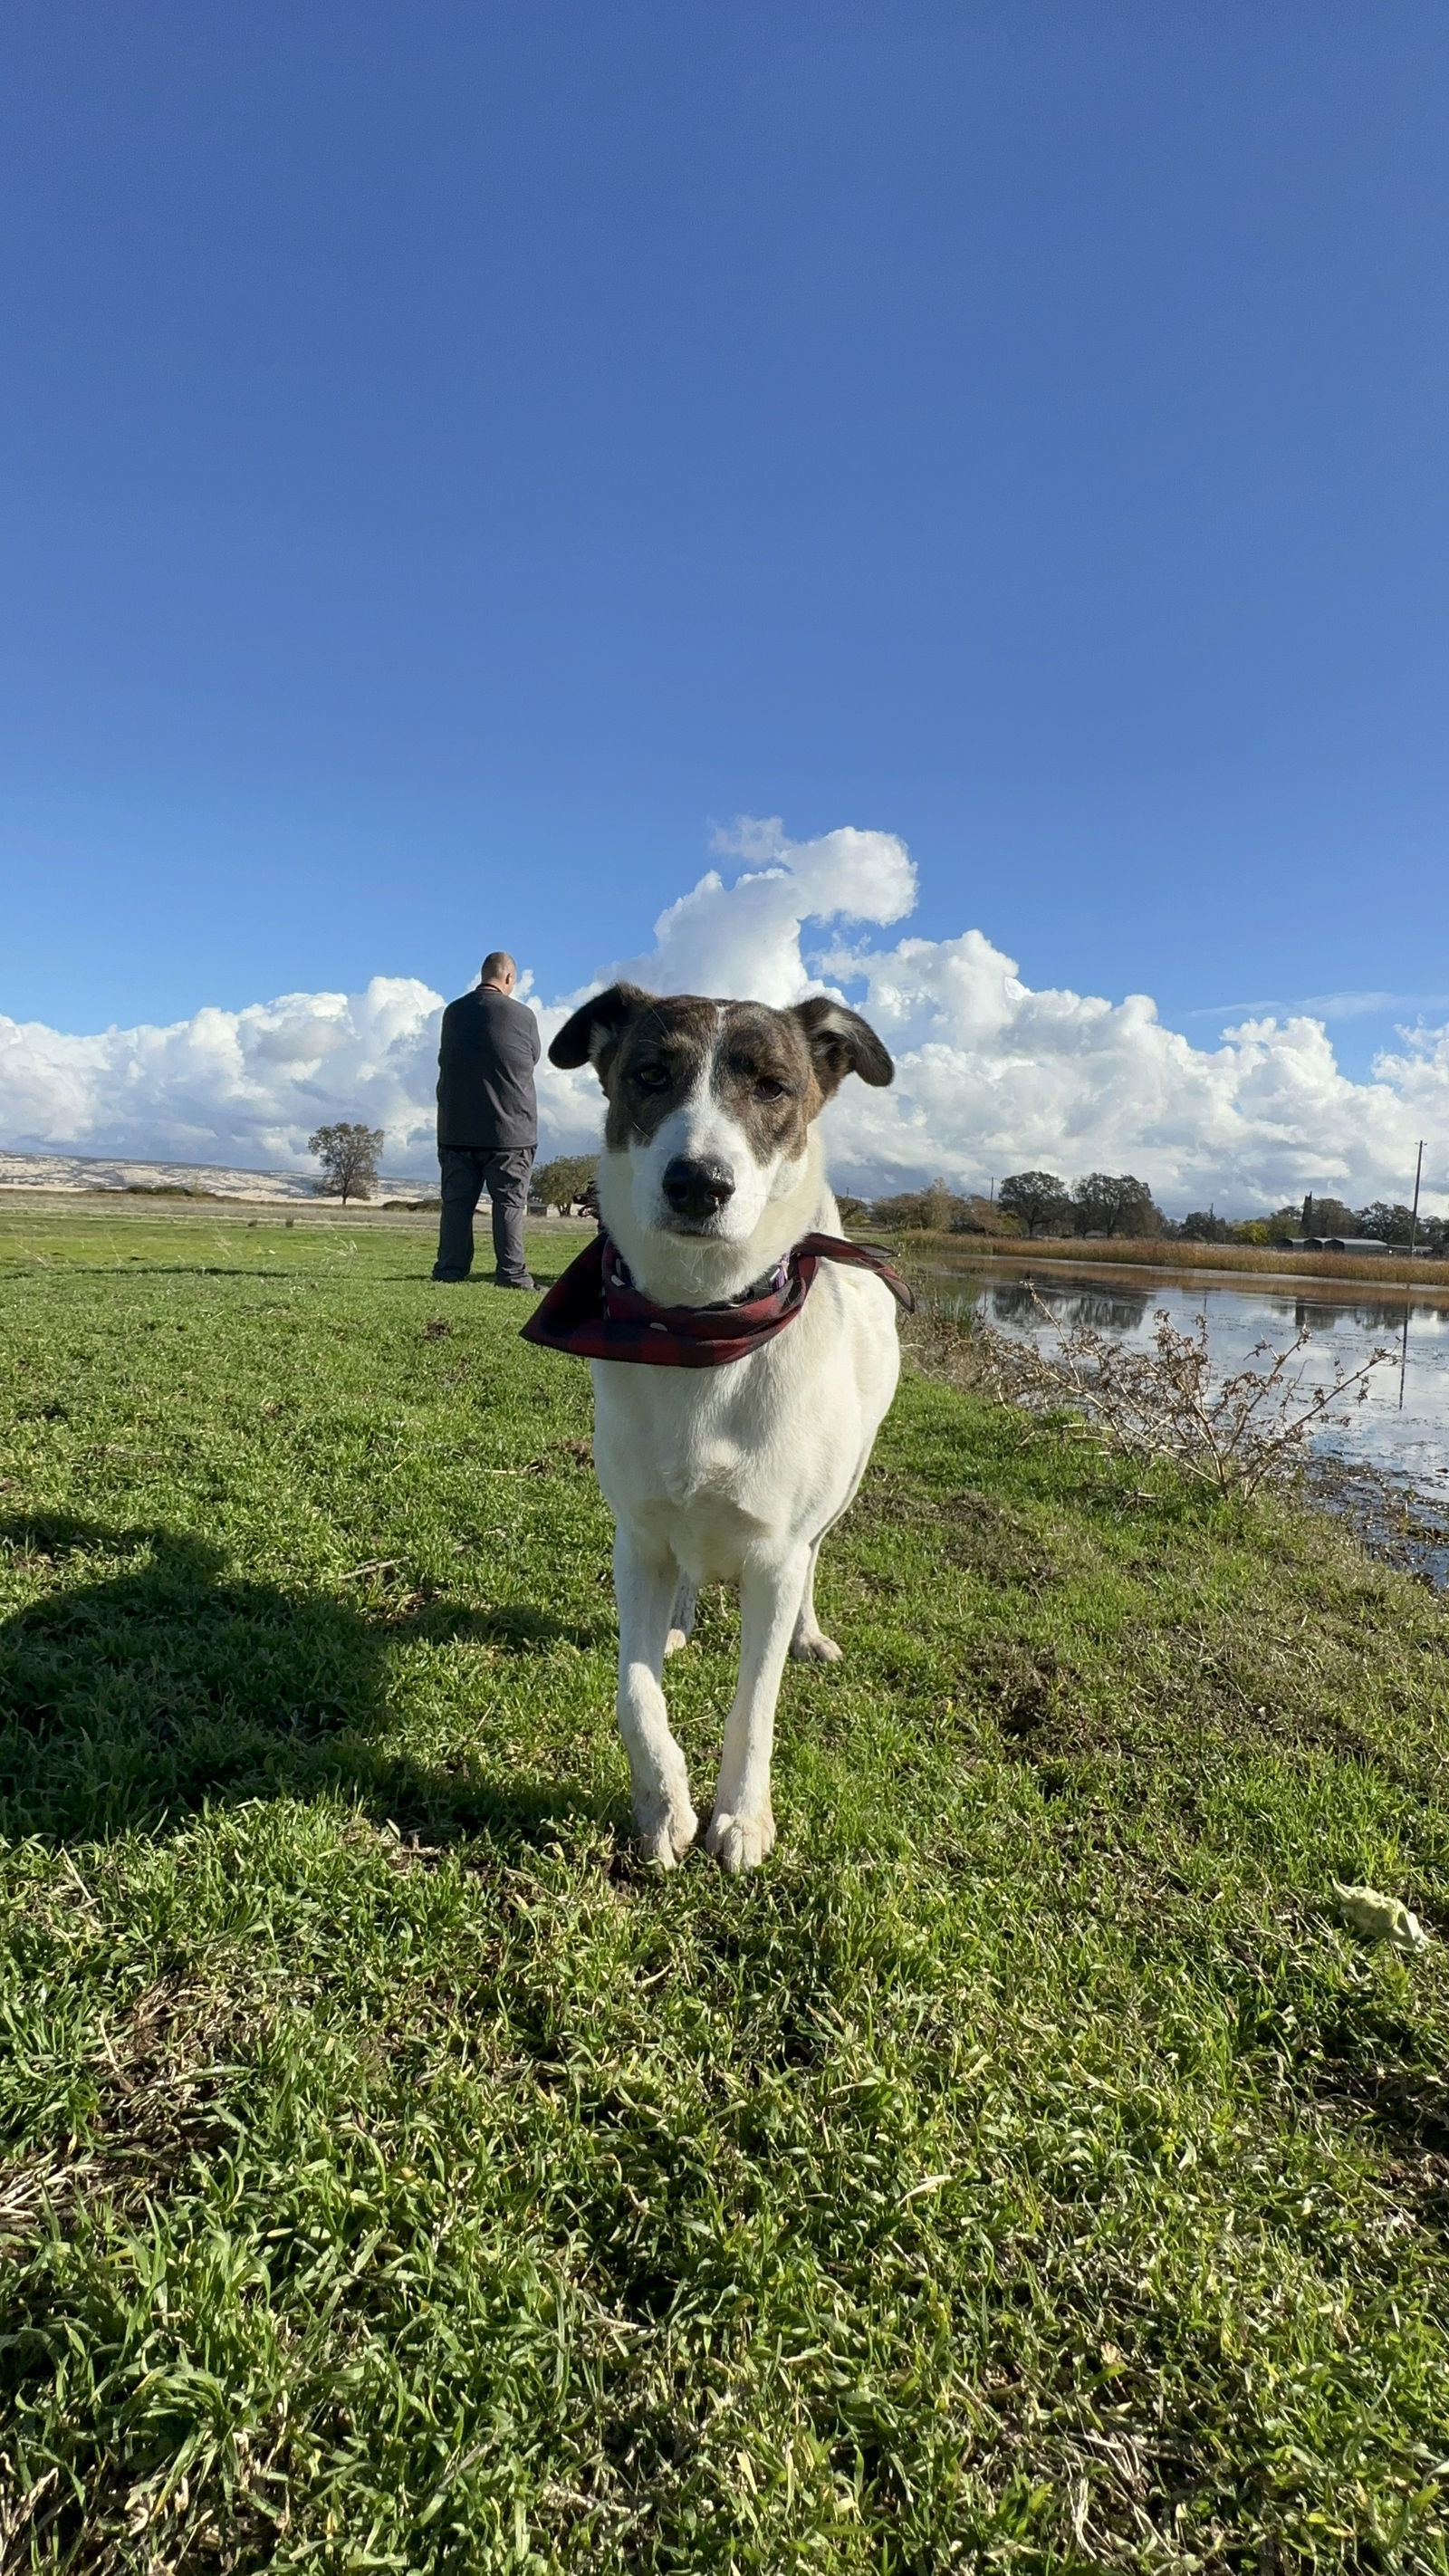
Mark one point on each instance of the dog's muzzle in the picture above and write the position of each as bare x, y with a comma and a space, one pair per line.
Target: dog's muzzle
696, 1191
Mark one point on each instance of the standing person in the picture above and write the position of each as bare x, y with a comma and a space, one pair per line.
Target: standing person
487, 1121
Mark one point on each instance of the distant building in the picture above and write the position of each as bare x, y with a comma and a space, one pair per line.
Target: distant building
1357, 1243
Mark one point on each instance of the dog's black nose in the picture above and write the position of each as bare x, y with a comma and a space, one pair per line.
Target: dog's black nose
697, 1189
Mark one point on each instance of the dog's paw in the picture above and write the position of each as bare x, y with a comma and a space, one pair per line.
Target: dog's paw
676, 1638
816, 1648
740, 1842
667, 1825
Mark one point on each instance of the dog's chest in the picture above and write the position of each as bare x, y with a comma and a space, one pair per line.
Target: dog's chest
690, 1436
686, 1435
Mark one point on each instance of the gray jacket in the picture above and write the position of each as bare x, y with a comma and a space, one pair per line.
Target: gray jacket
490, 1045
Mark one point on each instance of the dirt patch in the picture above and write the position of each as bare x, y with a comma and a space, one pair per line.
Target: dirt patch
161, 2073
966, 1528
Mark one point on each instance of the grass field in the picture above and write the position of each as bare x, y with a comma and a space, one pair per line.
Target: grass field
1023, 2171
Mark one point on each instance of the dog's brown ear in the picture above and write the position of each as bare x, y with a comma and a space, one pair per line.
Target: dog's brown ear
841, 1042
593, 1033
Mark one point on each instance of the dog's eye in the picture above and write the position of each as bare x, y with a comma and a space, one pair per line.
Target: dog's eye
651, 1077
767, 1088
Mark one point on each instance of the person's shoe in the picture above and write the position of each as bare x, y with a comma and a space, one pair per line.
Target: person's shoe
450, 1278
531, 1285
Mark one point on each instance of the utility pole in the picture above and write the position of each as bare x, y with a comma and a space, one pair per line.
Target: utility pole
1409, 1272
1414, 1218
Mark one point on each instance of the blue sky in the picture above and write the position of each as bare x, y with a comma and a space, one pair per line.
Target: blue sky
453, 456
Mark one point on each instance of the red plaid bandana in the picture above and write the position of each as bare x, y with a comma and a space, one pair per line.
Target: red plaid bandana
596, 1312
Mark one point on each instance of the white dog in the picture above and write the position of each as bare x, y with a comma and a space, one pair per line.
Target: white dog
721, 1468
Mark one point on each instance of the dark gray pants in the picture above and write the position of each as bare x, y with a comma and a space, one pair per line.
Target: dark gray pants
505, 1170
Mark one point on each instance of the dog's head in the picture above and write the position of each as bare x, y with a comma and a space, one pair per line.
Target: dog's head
711, 1103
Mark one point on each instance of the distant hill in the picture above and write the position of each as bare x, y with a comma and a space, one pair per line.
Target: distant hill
194, 1180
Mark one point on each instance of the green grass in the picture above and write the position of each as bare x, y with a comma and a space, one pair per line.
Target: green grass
1023, 2171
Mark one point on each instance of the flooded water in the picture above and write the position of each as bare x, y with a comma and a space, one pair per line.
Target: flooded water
1401, 1431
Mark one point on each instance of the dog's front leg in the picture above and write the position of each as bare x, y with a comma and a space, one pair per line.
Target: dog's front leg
742, 1828
644, 1587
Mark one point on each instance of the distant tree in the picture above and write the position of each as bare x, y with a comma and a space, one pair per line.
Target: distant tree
1039, 1202
1390, 1220
349, 1157
852, 1211
935, 1208
1253, 1229
981, 1215
565, 1179
1330, 1216
1386, 1219
1325, 1216
908, 1208
1114, 1203
1201, 1226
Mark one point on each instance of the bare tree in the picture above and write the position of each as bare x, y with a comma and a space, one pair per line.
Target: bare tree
349, 1157
1038, 1200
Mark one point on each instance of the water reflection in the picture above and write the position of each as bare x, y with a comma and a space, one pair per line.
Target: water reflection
1409, 1440
1383, 1317
1019, 1301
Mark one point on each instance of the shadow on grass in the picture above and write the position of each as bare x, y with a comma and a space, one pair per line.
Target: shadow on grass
168, 1684
133, 1265
1375, 2066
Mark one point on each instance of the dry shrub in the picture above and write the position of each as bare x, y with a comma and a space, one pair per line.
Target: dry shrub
1232, 1433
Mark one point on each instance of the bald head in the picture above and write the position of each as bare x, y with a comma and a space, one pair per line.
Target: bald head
498, 968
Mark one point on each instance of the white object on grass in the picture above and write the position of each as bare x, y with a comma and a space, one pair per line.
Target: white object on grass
1383, 1918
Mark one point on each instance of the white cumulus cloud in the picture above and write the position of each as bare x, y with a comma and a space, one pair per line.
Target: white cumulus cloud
245, 1086
745, 937
992, 1074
